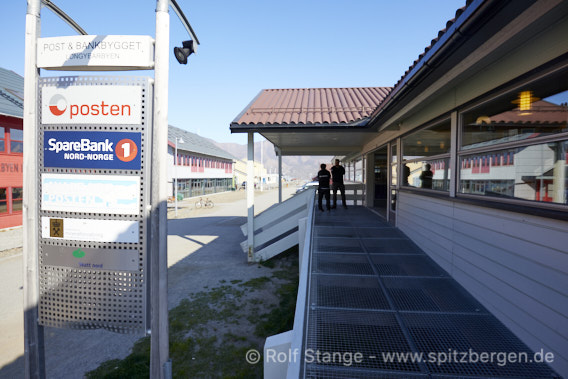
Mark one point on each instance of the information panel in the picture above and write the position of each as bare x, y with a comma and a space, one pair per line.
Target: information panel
74, 229
108, 194
92, 259
94, 195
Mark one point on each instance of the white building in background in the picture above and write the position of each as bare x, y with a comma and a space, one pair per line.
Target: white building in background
240, 173
201, 167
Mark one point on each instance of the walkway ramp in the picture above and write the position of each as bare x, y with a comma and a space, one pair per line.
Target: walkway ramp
374, 305
276, 229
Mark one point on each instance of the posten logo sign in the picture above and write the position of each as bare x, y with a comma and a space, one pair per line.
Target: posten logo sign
92, 105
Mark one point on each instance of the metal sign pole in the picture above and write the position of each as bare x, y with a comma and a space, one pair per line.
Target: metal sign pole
159, 350
33, 332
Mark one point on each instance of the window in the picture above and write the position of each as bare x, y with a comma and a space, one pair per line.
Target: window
517, 143
2, 139
17, 196
426, 158
3, 200
16, 141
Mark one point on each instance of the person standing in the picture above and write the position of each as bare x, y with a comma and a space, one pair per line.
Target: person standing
426, 177
323, 189
337, 172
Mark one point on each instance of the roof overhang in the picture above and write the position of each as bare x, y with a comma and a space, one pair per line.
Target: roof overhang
323, 139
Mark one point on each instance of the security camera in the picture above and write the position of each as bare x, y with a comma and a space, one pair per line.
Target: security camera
182, 53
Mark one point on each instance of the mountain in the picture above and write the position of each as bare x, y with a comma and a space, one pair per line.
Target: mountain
298, 167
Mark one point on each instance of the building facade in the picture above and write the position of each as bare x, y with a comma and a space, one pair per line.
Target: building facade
11, 148
467, 155
200, 167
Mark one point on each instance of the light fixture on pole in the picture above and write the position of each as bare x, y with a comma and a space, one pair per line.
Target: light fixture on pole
180, 140
181, 53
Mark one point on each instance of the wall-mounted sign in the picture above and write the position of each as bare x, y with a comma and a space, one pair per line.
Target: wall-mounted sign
75, 229
91, 258
86, 149
90, 104
109, 194
96, 53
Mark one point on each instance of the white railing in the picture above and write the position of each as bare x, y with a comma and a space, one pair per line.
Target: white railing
354, 194
276, 229
290, 343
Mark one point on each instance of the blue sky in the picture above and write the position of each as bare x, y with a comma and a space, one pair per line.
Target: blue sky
249, 45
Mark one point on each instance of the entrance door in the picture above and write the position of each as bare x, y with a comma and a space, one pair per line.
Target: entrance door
381, 181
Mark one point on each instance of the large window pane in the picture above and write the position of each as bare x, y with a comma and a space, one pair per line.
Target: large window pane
426, 158
537, 173
428, 142
533, 111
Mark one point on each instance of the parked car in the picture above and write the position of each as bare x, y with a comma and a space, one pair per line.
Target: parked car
306, 186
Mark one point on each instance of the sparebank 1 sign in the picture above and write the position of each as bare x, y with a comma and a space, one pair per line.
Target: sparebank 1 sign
91, 104
86, 149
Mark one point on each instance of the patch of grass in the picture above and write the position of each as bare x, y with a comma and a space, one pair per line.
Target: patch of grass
211, 331
269, 263
281, 318
256, 283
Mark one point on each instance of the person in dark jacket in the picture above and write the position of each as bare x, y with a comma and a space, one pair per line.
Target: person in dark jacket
337, 172
323, 189
426, 177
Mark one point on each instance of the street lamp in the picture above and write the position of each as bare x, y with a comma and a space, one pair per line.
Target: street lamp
180, 140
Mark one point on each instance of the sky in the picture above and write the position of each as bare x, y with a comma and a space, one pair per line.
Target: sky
250, 45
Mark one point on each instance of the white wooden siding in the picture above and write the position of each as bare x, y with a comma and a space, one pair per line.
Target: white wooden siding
515, 264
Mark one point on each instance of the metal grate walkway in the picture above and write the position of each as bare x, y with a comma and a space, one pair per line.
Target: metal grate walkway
373, 292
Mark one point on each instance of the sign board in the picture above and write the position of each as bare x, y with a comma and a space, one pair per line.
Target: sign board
75, 229
109, 194
86, 149
94, 179
91, 104
96, 53
90, 258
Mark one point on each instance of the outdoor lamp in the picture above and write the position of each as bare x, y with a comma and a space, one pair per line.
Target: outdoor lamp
182, 53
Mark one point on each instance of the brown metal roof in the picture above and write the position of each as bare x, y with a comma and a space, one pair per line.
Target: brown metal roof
312, 106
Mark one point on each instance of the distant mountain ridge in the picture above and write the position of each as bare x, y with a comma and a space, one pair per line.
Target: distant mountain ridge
299, 166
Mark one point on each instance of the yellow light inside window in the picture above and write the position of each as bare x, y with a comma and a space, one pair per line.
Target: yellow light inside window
525, 100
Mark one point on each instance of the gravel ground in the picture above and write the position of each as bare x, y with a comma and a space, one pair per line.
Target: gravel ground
203, 250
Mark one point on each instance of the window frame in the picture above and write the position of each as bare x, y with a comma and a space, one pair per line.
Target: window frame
5, 201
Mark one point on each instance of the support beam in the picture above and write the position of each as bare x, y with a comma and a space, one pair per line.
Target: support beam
34, 358
250, 196
279, 154
159, 345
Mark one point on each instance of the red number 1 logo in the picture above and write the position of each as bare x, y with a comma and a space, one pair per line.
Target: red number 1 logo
126, 150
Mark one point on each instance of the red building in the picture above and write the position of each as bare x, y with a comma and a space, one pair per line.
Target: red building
11, 148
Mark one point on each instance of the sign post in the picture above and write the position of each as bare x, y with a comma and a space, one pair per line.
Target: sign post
160, 365
95, 253
34, 357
